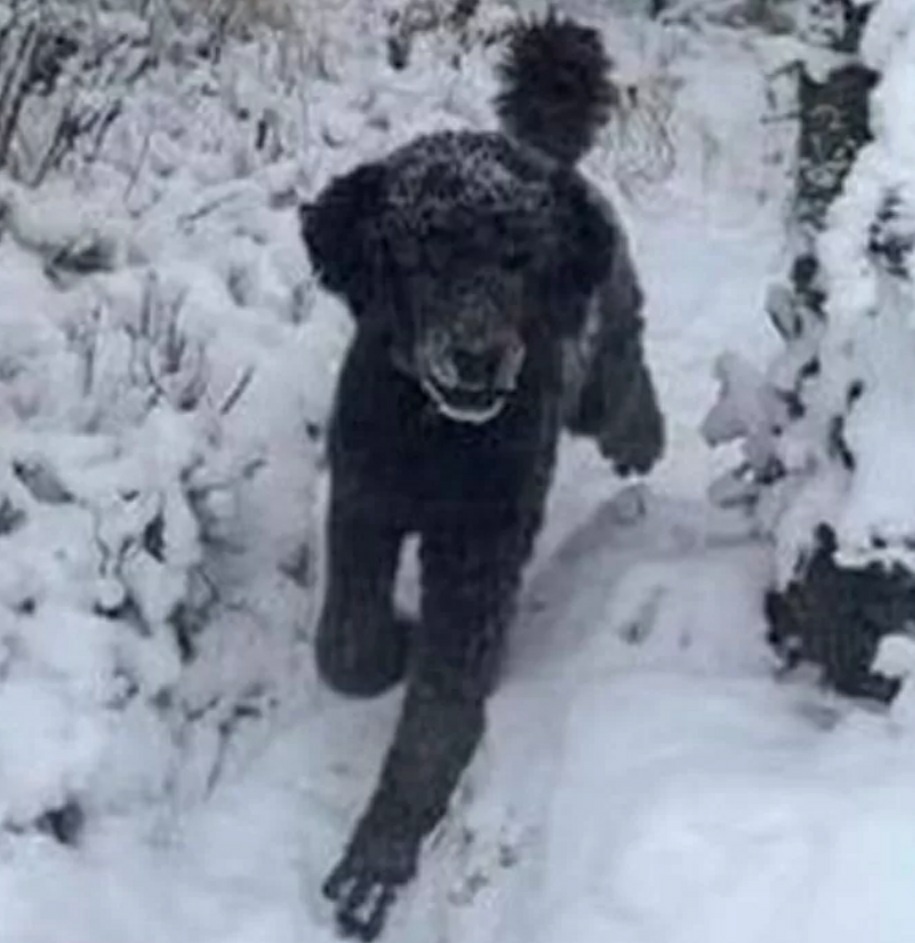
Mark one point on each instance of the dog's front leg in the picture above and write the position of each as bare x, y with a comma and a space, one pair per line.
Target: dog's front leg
470, 578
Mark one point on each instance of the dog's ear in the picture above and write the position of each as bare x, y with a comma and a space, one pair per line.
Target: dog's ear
343, 233
586, 241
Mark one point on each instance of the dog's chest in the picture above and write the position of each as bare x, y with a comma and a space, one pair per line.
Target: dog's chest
389, 433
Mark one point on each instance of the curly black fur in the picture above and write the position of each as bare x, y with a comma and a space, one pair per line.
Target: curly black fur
459, 243
450, 198
556, 91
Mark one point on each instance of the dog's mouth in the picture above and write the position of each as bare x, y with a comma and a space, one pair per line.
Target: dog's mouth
462, 405
470, 387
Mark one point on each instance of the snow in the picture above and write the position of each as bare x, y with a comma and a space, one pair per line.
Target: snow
864, 358
647, 777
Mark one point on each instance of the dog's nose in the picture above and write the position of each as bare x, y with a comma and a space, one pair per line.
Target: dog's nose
478, 369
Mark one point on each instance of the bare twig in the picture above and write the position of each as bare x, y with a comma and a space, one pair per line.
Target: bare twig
14, 86
237, 391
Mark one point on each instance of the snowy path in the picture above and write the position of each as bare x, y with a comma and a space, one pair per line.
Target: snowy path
666, 791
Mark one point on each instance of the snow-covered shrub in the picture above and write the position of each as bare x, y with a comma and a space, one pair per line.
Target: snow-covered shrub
159, 460
827, 437
674, 132
65, 72
164, 383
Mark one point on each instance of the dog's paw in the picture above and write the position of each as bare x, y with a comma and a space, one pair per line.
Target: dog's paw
636, 443
364, 884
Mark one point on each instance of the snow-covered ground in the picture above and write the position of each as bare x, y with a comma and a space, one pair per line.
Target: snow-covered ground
646, 777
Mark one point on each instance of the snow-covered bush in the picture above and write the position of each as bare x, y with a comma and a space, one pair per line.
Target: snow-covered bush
164, 383
827, 436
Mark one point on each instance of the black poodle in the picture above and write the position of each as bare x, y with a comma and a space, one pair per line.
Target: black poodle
495, 301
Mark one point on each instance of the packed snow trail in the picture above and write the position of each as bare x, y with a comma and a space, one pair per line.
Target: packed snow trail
644, 781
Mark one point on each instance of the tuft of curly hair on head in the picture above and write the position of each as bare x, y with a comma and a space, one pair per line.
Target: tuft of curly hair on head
556, 92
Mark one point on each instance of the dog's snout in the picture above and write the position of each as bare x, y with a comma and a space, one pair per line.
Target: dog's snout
478, 368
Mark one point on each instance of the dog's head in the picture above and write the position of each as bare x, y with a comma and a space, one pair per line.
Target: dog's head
461, 249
